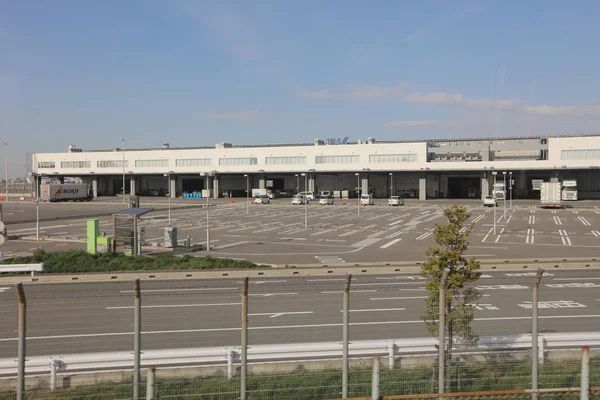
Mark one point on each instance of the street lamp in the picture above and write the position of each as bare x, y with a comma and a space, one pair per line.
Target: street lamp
358, 192
305, 175
510, 182
391, 184
168, 175
504, 177
37, 206
123, 164
247, 193
494, 173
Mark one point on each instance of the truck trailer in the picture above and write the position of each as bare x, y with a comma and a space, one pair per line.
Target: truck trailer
65, 192
550, 195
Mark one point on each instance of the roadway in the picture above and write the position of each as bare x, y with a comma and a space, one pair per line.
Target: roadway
337, 235
95, 317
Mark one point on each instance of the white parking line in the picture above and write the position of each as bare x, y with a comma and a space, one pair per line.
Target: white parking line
499, 235
596, 233
584, 221
564, 237
509, 218
531, 219
215, 289
349, 233
175, 306
395, 222
425, 235
557, 220
529, 239
385, 246
377, 309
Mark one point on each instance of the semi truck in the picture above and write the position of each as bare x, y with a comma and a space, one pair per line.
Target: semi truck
65, 192
498, 191
569, 190
550, 195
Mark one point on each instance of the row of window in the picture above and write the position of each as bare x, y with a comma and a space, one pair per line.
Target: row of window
587, 154
202, 162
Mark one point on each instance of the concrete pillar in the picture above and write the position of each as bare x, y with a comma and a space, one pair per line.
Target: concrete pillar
485, 184
172, 187
311, 183
132, 188
423, 188
179, 185
364, 185
206, 182
61, 179
262, 182
216, 187
94, 187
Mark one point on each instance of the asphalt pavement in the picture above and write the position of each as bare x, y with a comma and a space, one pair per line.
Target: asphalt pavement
96, 317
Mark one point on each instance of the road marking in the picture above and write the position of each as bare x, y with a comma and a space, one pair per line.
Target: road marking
377, 233
275, 315
230, 245
272, 294
395, 222
349, 233
175, 306
273, 281
488, 234
425, 235
366, 242
557, 220
584, 221
596, 233
377, 309
329, 259
386, 283
564, 237
575, 279
322, 232
499, 236
3, 289
241, 229
327, 280
354, 291
531, 219
393, 235
182, 290
479, 218
529, 239
385, 246
575, 212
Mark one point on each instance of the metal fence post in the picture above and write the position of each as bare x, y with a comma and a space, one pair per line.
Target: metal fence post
229, 356
585, 373
150, 384
534, 333
442, 332
137, 338
244, 349
53, 372
345, 340
22, 335
376, 379
391, 355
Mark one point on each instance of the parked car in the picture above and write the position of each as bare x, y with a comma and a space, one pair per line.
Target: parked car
298, 200
489, 201
270, 194
262, 200
326, 201
308, 195
366, 200
396, 201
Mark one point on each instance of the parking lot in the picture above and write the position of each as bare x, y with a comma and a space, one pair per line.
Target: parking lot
336, 234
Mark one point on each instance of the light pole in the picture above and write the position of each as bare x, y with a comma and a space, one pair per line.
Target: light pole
358, 192
123, 164
297, 183
504, 177
494, 173
37, 206
6, 169
391, 184
510, 179
247, 193
305, 175
168, 175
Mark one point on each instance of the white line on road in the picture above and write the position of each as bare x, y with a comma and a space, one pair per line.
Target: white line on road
395, 222
398, 298
366, 242
596, 233
275, 315
175, 306
377, 309
499, 236
272, 294
181, 290
531, 219
557, 220
564, 237
385, 246
575, 279
354, 291
387, 283
349, 233
530, 236
584, 221
508, 219
230, 245
425, 235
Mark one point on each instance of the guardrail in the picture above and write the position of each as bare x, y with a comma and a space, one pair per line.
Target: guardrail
228, 355
33, 268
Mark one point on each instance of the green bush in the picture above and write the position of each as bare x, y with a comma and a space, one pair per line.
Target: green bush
76, 261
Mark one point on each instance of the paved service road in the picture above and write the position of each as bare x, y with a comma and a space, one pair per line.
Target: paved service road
93, 317
337, 235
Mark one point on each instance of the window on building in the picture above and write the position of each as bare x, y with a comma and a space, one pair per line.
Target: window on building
516, 155
151, 163
75, 164
392, 158
350, 159
584, 154
112, 164
285, 160
46, 164
238, 161
193, 162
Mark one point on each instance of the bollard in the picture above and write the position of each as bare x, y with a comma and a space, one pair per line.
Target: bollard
53, 371
376, 379
229, 364
585, 373
150, 384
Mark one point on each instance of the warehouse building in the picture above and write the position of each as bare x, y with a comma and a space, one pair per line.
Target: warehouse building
457, 168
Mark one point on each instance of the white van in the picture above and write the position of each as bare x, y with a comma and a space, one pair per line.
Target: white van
308, 195
298, 199
366, 200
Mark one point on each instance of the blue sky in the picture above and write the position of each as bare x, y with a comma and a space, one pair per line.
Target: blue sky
249, 72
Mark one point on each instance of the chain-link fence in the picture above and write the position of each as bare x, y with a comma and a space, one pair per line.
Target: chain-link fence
289, 338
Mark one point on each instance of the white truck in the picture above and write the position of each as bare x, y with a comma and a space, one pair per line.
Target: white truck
569, 190
65, 192
498, 191
550, 195
259, 192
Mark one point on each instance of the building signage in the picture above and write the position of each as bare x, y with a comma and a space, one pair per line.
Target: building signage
337, 140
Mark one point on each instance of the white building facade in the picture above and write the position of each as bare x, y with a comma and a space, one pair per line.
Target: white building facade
421, 169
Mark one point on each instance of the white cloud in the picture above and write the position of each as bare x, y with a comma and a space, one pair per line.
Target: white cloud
444, 98
569, 111
240, 115
411, 124
359, 92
